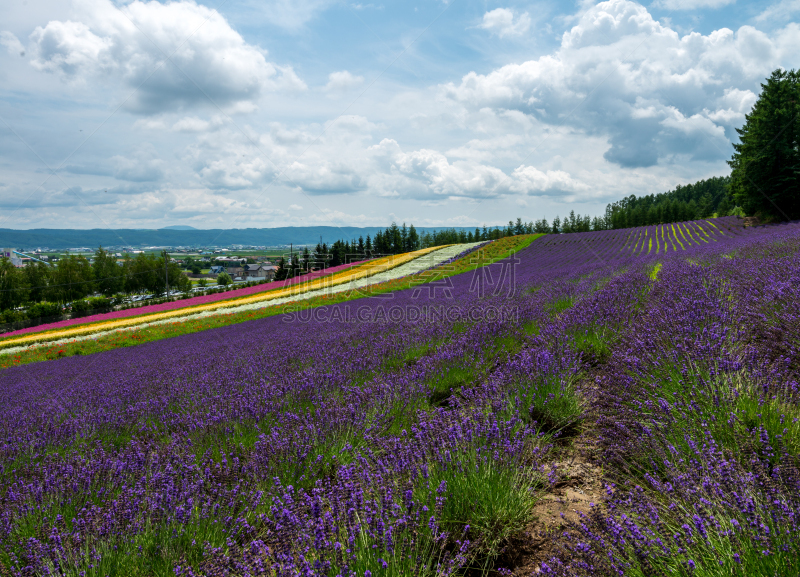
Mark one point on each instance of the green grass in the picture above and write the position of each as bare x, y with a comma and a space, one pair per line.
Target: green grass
399, 417
449, 380
320, 459
653, 274
594, 343
488, 499
552, 403
501, 348
561, 304
531, 328
409, 356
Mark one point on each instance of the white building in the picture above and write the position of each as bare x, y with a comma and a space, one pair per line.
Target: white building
9, 253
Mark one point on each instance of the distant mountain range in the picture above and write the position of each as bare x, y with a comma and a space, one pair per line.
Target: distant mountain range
181, 235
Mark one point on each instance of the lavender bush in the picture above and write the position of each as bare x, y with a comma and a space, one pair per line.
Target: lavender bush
413, 433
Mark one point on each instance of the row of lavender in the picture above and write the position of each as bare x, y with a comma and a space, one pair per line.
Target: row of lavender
407, 434
699, 417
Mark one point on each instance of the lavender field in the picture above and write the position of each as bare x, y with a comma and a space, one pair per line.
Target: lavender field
419, 432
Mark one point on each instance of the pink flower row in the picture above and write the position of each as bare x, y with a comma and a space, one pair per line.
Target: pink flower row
201, 300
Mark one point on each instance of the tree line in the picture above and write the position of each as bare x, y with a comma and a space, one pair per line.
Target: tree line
74, 277
395, 239
702, 199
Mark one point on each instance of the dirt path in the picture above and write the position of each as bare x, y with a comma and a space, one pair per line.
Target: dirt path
578, 486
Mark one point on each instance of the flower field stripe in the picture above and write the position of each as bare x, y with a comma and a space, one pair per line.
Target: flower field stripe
356, 283
488, 254
684, 234
715, 226
689, 234
183, 303
636, 239
372, 268
699, 232
675, 240
643, 245
369, 269
681, 237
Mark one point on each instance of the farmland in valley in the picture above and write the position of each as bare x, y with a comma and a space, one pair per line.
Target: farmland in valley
643, 382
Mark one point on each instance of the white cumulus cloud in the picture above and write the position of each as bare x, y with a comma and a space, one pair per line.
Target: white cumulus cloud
174, 55
342, 81
501, 22
656, 96
430, 174
12, 43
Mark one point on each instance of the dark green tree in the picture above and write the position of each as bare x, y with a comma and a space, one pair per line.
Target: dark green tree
12, 285
193, 266
170, 275
72, 279
765, 177
281, 273
37, 277
394, 239
413, 238
107, 273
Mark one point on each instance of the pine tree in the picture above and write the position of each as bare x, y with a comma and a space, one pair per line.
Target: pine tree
107, 274
765, 177
12, 285
413, 238
280, 273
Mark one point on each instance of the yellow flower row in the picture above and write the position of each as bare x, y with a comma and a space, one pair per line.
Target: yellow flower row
369, 269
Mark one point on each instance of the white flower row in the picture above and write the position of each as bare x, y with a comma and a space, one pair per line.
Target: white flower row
422, 263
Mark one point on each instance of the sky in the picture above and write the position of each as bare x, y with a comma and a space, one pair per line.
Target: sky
265, 113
